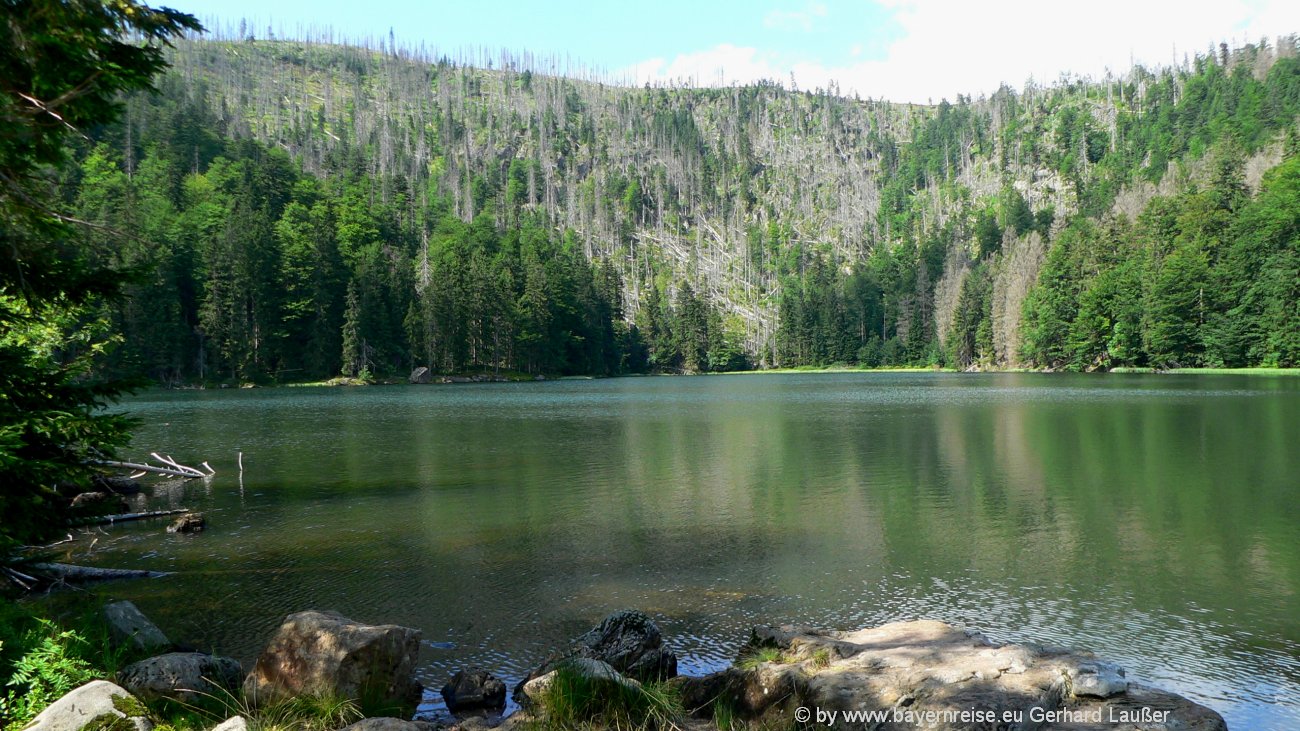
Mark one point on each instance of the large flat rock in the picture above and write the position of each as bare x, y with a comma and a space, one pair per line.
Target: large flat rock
927, 674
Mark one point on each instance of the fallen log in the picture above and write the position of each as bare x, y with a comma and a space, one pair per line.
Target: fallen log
124, 517
169, 471
69, 572
170, 467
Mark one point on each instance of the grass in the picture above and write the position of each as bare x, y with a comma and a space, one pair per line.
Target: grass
319, 712
821, 658
576, 702
754, 657
305, 713
44, 657
724, 716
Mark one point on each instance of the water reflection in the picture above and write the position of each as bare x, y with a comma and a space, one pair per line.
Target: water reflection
1148, 518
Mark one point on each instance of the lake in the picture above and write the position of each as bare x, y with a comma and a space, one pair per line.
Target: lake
1152, 519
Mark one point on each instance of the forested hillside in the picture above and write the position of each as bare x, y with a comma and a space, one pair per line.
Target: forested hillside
310, 208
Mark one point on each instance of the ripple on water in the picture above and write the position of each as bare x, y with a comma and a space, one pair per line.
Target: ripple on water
1113, 514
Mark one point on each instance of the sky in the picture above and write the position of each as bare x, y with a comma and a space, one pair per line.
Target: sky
900, 50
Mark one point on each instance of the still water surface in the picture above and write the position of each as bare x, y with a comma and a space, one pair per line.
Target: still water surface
1153, 519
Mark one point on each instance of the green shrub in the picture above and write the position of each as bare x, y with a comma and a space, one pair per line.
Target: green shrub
52, 664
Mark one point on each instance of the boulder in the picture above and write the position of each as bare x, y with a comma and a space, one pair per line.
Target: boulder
934, 670
390, 724
234, 723
117, 484
628, 640
188, 523
421, 375
326, 653
474, 689
631, 643
128, 626
181, 676
594, 670
768, 688
699, 694
100, 503
1095, 679
96, 706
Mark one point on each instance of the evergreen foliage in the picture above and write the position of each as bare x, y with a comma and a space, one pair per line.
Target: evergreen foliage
312, 209
63, 66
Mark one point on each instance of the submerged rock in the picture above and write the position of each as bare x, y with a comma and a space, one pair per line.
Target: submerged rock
188, 523
117, 484
99, 503
128, 626
474, 689
326, 653
182, 676
96, 706
927, 674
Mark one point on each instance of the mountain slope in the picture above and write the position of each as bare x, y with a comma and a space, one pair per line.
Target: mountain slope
817, 228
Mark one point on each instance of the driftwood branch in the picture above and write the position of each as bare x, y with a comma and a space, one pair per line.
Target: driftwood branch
172, 468
68, 572
124, 517
145, 468
17, 577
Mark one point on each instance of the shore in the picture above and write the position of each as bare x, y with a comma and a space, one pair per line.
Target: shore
321, 671
512, 377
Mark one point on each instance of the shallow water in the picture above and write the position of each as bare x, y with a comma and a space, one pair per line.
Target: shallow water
1153, 519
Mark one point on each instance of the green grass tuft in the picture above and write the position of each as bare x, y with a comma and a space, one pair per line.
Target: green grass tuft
756, 656
821, 658
574, 701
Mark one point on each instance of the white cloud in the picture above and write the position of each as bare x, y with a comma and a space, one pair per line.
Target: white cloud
718, 66
948, 47
801, 20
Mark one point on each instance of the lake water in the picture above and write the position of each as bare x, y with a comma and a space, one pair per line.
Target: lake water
1153, 519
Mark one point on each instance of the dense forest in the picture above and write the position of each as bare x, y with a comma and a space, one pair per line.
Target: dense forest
305, 209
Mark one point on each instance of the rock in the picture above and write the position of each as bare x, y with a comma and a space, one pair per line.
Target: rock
628, 640
188, 523
631, 643
128, 626
1096, 679
182, 676
928, 667
118, 485
324, 652
485, 723
474, 689
390, 724
699, 694
105, 502
595, 670
234, 723
96, 706
421, 375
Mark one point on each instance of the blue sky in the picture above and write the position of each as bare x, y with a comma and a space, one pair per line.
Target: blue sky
613, 35
903, 50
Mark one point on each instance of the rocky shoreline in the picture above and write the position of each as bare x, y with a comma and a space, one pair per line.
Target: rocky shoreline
903, 675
